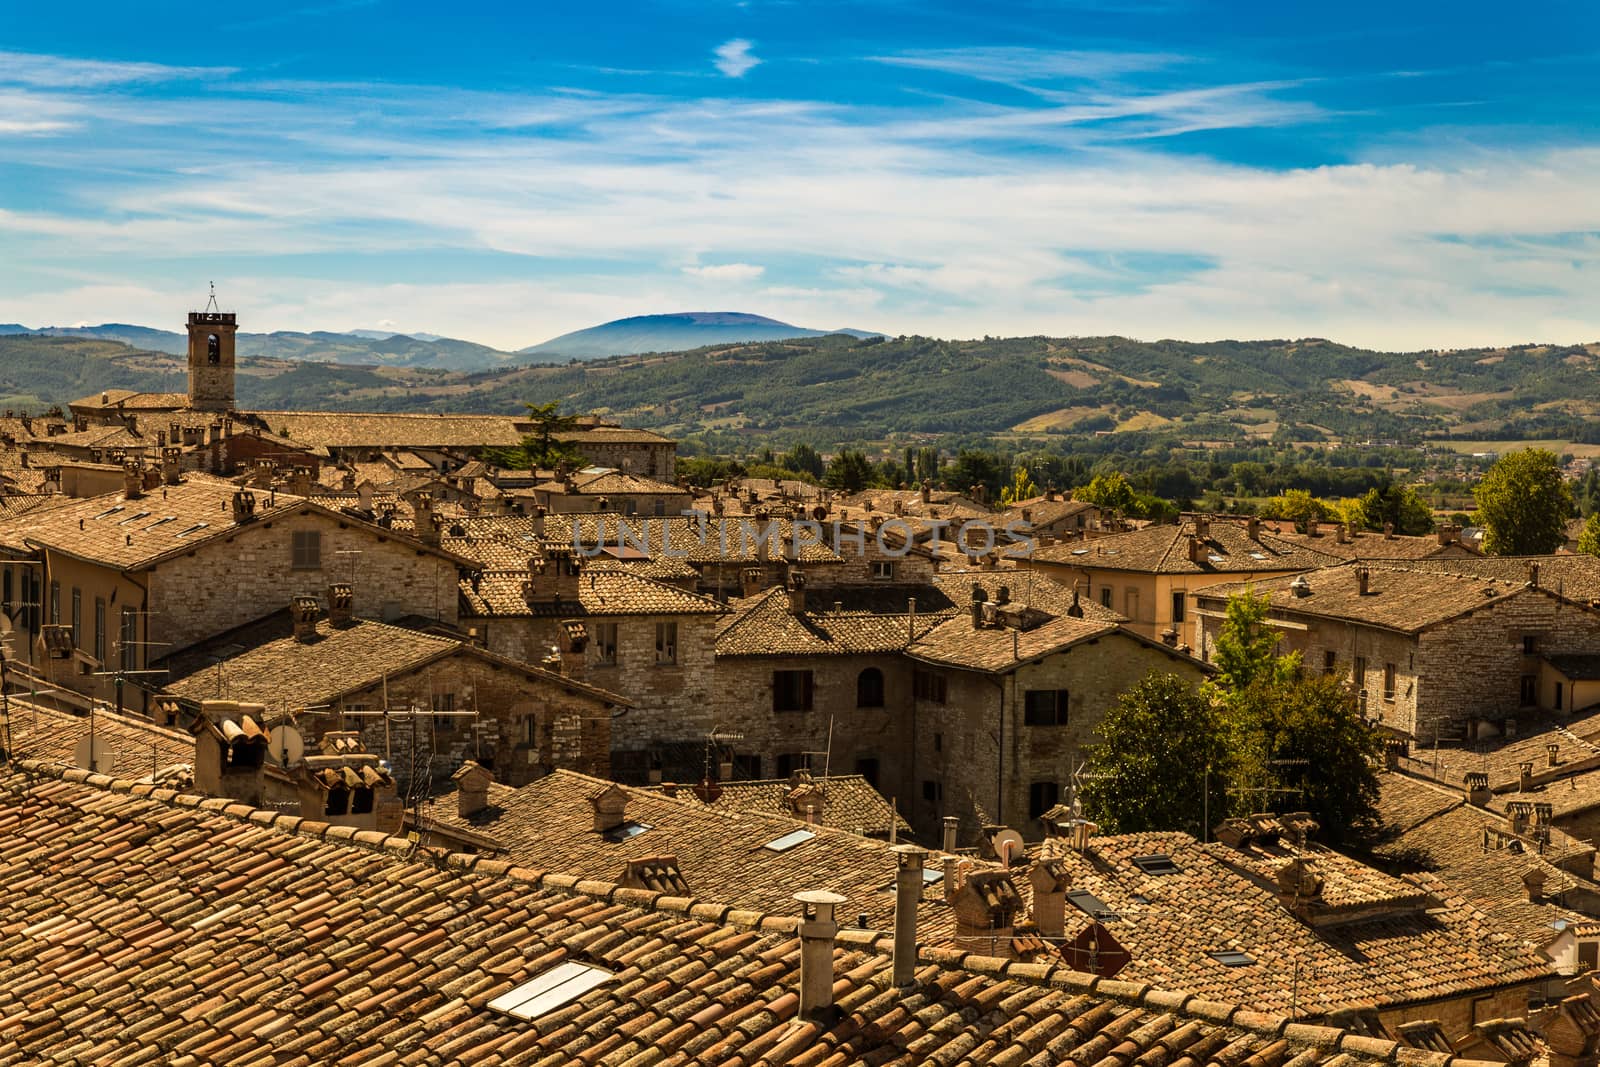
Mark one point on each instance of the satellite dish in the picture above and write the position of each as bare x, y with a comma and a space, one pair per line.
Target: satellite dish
287, 745
1008, 846
94, 754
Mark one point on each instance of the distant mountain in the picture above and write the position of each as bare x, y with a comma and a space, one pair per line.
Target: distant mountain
356, 348
671, 333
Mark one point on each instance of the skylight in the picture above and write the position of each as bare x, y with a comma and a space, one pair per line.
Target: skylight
162, 521
109, 511
1258, 555
626, 830
559, 986
789, 840
135, 517
1232, 957
1091, 905
192, 529
1158, 864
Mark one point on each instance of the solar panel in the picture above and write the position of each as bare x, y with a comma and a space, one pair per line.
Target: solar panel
789, 840
1232, 957
560, 985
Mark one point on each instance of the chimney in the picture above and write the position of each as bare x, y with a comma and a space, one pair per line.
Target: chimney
899, 506
1202, 526
927, 491
1363, 576
132, 481
304, 612
817, 931
907, 895
244, 506
750, 581
1388, 531
424, 523
1448, 533
795, 586
1341, 534
1517, 814
1533, 881
341, 605
1313, 528
472, 788
1197, 550
1533, 574
1300, 588
1555, 753
763, 528
1525, 777
171, 465
1478, 792
1050, 880
538, 521
986, 908
948, 842
979, 597
1252, 528
610, 808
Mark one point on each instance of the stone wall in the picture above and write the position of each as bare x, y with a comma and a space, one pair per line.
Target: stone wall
249, 574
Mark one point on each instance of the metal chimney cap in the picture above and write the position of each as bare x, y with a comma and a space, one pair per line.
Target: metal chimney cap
821, 896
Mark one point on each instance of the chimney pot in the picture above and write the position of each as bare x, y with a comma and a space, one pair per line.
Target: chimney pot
951, 823
304, 611
908, 894
341, 605
472, 788
817, 932
1363, 577
1388, 531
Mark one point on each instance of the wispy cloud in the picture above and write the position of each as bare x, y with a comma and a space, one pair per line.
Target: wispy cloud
58, 72
733, 57
1014, 66
727, 272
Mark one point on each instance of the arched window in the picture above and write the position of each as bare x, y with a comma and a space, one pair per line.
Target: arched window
213, 349
869, 688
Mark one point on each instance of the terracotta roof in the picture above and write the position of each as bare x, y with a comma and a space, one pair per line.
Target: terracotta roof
129, 400
138, 747
956, 643
341, 429
1575, 576
601, 591
764, 626
620, 435
1397, 598
262, 662
142, 927
1446, 836
1502, 760
1220, 898
851, 802
1227, 549
621, 483
1367, 544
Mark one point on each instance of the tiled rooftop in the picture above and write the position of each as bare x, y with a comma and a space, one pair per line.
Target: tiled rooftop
764, 626
851, 802
138, 747
601, 591
141, 927
340, 429
1227, 549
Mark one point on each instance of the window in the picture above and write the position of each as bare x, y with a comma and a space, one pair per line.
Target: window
444, 702
1530, 644
55, 602
1042, 796
938, 741
791, 690
1529, 694
338, 800
883, 568
789, 762
605, 644
1045, 707
1091, 905
929, 686
867, 767
1360, 672
1232, 957
361, 801
1105, 596
100, 629
1560, 694
213, 349
789, 840
1157, 864
1588, 956
932, 791
666, 644
622, 831
1330, 661
1179, 604
1388, 681
307, 550
555, 988
128, 643
869, 688
77, 618
1130, 601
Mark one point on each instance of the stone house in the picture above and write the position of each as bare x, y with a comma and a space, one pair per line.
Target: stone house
1007, 695
109, 583
1429, 654
1151, 576
423, 701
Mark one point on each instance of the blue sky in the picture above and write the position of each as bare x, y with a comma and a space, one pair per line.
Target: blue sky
1395, 175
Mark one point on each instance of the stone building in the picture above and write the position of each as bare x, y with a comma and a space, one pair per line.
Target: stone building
1429, 654
1151, 576
423, 701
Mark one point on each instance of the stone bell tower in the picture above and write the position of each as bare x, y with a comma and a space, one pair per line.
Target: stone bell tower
211, 357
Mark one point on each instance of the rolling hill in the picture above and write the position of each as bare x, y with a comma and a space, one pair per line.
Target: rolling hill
672, 333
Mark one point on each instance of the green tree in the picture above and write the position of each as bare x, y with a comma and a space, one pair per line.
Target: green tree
1589, 540
803, 459
850, 471
1297, 506
1247, 647
543, 447
1109, 491
1397, 505
1523, 504
1301, 743
1021, 488
1149, 772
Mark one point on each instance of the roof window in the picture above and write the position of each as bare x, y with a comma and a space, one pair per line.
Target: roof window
555, 988
1158, 864
196, 528
1232, 957
135, 517
109, 511
1091, 905
789, 840
623, 831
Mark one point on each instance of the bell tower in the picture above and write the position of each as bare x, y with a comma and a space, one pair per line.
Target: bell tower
211, 357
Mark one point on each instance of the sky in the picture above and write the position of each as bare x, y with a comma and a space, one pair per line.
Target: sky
1394, 175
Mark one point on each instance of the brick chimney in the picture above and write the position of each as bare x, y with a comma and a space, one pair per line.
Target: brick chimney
1198, 550
986, 906
132, 480
1388, 531
1202, 526
979, 597
1341, 534
171, 465
1313, 528
472, 788
1363, 578
244, 506
1252, 528
907, 895
341, 605
795, 586
655, 874
1449, 533
1533, 574
926, 491
1533, 883
303, 610
817, 931
424, 522
1525, 777
610, 808
750, 579
1478, 792
1050, 880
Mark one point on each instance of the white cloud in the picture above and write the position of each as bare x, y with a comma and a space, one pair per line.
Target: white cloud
734, 58
733, 273
63, 72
